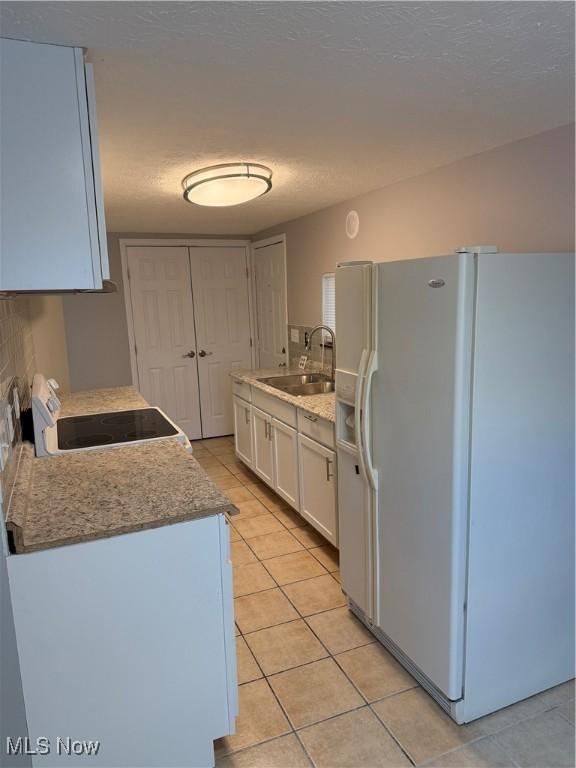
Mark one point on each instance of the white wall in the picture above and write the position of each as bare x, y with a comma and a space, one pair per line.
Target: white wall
49, 337
519, 196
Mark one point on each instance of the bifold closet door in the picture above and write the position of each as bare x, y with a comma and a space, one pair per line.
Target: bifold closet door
221, 312
163, 323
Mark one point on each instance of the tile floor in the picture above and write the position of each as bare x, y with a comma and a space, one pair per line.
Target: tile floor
315, 687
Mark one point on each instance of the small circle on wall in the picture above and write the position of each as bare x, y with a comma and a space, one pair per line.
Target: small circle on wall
352, 224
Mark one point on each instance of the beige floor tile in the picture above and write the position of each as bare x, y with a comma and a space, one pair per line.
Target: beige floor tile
217, 442
352, 740
198, 452
274, 544
375, 672
260, 718
258, 526
285, 752
261, 491
263, 609
247, 668
234, 535
553, 697
285, 646
328, 556
531, 707
209, 461
294, 567
251, 578
275, 505
218, 471
420, 726
314, 692
225, 483
545, 740
229, 460
336, 575
567, 710
309, 537
254, 487
240, 493
480, 754
222, 450
289, 517
250, 508
314, 595
340, 630
241, 553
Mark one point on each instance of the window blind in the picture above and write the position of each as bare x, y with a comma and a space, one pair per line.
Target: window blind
329, 300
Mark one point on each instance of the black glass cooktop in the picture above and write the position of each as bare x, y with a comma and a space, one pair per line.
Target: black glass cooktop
96, 429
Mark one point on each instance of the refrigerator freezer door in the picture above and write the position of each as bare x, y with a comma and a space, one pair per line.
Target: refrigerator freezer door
353, 319
419, 425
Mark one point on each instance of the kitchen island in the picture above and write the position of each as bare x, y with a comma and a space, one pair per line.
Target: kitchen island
122, 597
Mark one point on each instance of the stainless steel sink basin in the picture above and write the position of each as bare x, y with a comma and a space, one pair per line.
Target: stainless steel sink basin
299, 384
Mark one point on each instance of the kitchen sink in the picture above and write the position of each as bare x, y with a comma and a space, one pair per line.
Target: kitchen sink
299, 384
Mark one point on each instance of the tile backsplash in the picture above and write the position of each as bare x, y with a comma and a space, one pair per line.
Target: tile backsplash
319, 357
17, 365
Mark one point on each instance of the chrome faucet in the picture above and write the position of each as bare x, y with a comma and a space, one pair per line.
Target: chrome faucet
333, 337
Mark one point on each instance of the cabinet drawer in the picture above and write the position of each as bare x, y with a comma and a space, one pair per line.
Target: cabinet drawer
316, 428
243, 390
275, 407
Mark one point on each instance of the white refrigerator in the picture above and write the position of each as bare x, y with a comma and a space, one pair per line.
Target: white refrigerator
455, 440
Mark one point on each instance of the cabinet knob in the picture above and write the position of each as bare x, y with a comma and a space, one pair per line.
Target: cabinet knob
203, 353
190, 354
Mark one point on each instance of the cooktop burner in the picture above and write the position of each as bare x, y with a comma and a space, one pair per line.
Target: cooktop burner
97, 429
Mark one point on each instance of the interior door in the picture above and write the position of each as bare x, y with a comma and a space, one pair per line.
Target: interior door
270, 287
163, 321
221, 311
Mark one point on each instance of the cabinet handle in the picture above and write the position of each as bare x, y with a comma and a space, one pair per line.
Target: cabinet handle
266, 429
270, 431
328, 475
310, 418
246, 415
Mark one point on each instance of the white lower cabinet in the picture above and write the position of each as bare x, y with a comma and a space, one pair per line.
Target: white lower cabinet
243, 430
318, 487
285, 443
262, 448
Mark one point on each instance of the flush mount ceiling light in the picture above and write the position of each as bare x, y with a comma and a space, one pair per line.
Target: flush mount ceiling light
227, 184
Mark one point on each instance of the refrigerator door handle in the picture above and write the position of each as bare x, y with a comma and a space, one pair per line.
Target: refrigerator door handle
364, 444
358, 410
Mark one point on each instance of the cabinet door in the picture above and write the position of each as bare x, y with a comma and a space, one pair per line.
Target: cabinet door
263, 455
318, 487
285, 442
243, 430
51, 239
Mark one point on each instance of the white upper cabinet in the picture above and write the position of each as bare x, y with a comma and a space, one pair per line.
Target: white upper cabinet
53, 233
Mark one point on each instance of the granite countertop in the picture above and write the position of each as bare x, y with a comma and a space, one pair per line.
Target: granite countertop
323, 406
101, 401
88, 495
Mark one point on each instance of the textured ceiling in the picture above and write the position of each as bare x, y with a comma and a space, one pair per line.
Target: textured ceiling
338, 98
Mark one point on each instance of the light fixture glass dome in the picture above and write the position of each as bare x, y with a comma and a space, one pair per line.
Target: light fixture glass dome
227, 184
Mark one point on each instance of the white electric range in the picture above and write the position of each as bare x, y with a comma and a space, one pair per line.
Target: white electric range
55, 435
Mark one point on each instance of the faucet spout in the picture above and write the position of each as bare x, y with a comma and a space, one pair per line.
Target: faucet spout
333, 338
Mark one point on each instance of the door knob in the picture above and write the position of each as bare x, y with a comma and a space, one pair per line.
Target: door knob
203, 353
190, 354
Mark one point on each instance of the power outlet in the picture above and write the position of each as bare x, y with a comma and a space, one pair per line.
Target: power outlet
295, 335
303, 361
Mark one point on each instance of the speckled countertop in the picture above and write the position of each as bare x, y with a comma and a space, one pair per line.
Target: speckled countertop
77, 497
320, 405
